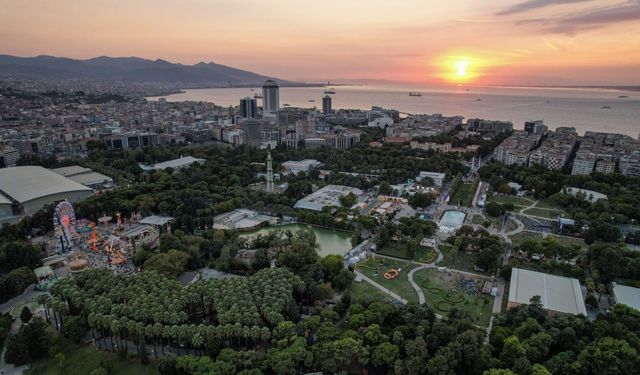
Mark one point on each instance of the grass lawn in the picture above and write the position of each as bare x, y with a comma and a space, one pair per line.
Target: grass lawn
545, 203
376, 267
365, 292
441, 296
544, 212
453, 259
398, 250
463, 196
569, 240
523, 236
477, 219
518, 201
82, 359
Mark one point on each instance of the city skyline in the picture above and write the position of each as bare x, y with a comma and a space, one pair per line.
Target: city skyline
534, 42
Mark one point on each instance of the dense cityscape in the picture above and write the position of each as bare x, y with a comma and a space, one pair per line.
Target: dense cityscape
306, 188
375, 222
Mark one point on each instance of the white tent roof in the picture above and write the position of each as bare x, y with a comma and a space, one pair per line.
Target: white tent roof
31, 182
558, 293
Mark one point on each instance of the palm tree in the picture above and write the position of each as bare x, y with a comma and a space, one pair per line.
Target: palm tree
197, 341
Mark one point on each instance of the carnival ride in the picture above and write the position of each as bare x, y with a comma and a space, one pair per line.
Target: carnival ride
64, 224
116, 250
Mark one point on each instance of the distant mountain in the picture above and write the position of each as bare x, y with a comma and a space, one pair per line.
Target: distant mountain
128, 69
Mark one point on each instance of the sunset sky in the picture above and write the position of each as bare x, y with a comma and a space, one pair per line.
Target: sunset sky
467, 41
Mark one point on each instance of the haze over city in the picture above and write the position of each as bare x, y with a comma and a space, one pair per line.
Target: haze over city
531, 42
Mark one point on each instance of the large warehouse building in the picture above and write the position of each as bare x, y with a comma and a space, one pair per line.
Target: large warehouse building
30, 188
558, 294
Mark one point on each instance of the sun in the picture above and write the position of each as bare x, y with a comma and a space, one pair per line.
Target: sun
460, 68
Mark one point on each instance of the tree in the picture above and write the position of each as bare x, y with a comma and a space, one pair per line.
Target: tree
332, 264
16, 254
606, 258
99, 371
25, 315
30, 343
385, 188
343, 279
348, 200
421, 200
536, 301
173, 262
493, 209
385, 354
609, 356
600, 231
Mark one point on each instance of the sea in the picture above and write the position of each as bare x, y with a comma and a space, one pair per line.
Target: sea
605, 110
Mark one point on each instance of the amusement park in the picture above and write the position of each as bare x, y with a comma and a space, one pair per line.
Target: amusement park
109, 243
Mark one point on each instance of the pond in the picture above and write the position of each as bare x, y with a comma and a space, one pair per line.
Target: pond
331, 241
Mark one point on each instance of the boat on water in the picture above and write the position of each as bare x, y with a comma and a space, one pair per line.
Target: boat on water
478, 100
414, 93
622, 96
330, 91
251, 90
311, 100
257, 96
605, 107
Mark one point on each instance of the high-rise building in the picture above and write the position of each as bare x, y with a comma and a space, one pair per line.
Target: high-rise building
248, 107
270, 97
326, 104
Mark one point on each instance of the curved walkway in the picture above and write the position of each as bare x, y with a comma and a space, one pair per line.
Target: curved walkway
421, 299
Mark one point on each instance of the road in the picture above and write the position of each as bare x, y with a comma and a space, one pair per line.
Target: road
29, 295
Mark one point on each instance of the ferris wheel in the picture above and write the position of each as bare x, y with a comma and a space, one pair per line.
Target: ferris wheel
64, 223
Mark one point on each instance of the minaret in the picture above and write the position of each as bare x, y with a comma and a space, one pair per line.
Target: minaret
269, 174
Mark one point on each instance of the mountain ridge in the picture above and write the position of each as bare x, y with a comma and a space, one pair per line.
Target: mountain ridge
130, 70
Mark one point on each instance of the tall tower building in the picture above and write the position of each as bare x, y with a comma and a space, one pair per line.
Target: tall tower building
326, 104
248, 107
270, 97
270, 188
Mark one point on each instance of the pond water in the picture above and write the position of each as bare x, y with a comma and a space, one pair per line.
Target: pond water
452, 220
331, 241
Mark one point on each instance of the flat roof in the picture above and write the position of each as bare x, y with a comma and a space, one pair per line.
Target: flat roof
327, 196
176, 163
90, 178
31, 182
627, 295
590, 195
4, 200
70, 170
558, 293
156, 220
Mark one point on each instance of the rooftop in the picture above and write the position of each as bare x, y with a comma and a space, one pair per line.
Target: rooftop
156, 220
627, 295
31, 182
71, 170
175, 163
327, 196
561, 294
